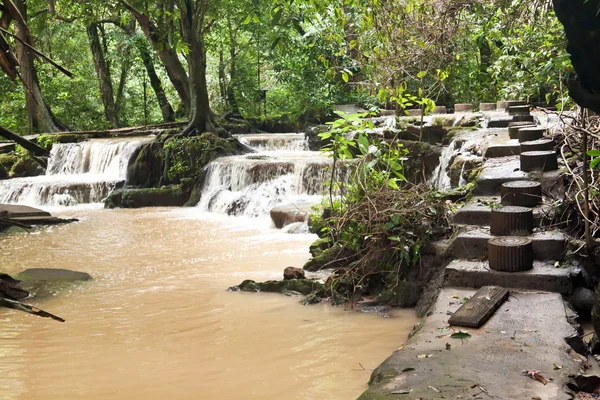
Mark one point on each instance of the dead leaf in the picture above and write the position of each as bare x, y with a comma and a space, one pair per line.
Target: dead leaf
448, 346
461, 335
535, 375
401, 347
456, 296
536, 398
557, 366
408, 369
434, 389
401, 392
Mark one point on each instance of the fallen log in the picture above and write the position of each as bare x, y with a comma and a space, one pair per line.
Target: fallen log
28, 308
26, 144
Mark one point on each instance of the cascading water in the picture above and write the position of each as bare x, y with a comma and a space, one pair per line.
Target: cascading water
284, 171
77, 173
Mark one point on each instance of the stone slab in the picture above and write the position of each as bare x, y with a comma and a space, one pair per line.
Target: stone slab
18, 211
526, 333
478, 212
506, 148
544, 276
472, 242
499, 122
499, 170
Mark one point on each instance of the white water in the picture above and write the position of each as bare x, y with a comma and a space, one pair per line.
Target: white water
77, 173
251, 185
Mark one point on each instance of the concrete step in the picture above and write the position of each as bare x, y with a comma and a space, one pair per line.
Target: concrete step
497, 171
544, 276
478, 212
472, 242
506, 148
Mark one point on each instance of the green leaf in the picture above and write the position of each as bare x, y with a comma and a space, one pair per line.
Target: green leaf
363, 143
345, 77
421, 74
461, 335
248, 19
593, 153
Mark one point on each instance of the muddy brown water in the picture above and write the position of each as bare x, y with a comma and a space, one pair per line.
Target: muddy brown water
158, 323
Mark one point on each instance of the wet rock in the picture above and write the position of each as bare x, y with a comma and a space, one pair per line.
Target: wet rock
289, 213
310, 299
583, 300
53, 274
4, 173
271, 286
25, 167
293, 273
585, 383
248, 286
305, 286
402, 294
462, 167
166, 196
10, 288
291, 293
334, 257
595, 345
470, 120
319, 246
576, 343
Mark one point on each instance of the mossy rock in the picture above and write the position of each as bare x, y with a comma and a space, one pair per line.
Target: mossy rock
402, 294
319, 246
462, 168
329, 259
26, 166
47, 140
166, 196
6, 163
443, 121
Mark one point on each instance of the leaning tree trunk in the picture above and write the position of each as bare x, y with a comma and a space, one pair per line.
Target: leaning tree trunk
103, 73
163, 101
39, 114
167, 55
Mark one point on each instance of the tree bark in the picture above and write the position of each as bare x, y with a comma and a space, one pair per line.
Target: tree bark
192, 29
166, 53
103, 73
163, 101
39, 114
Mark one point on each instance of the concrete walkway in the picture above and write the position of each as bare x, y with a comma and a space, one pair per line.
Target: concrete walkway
528, 331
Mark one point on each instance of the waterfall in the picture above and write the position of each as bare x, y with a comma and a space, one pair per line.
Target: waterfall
275, 141
252, 185
440, 179
77, 173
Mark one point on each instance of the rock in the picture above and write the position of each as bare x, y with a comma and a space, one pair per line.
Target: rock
293, 273
402, 294
595, 345
10, 289
310, 299
465, 107
319, 246
474, 120
583, 300
290, 213
4, 173
53, 274
271, 286
333, 257
291, 293
25, 167
576, 343
248, 286
462, 167
166, 196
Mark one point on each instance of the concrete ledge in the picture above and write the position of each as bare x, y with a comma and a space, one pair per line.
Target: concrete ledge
503, 149
472, 244
478, 212
527, 332
499, 122
507, 169
544, 276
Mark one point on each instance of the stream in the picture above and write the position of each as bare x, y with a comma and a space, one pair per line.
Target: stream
157, 321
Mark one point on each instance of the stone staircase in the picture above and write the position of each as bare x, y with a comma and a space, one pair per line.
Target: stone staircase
503, 163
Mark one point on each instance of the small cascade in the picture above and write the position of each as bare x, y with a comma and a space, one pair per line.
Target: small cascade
77, 173
252, 185
275, 141
440, 179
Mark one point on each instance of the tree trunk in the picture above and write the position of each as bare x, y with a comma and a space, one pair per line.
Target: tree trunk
200, 115
103, 73
163, 101
39, 114
167, 55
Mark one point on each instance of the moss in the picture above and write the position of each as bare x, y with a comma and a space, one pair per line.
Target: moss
402, 294
443, 121
47, 140
319, 246
333, 257
166, 196
26, 166
6, 164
